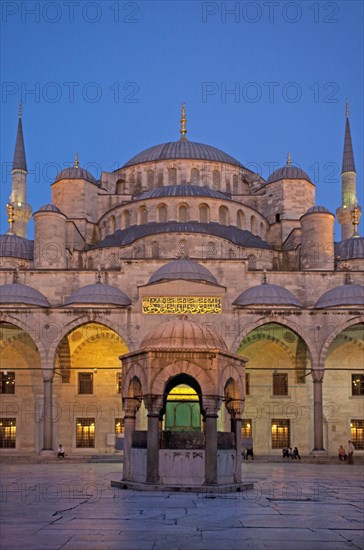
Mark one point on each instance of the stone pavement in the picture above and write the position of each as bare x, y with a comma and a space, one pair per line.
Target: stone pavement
294, 506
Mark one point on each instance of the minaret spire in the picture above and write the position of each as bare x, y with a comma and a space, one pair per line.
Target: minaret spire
19, 160
348, 157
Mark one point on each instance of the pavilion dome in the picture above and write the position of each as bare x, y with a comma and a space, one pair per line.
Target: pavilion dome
350, 249
182, 334
267, 294
13, 246
343, 295
75, 173
98, 293
182, 149
49, 208
18, 293
288, 172
183, 269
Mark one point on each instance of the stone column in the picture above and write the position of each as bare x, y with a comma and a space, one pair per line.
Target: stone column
153, 404
211, 407
318, 425
130, 406
235, 408
48, 374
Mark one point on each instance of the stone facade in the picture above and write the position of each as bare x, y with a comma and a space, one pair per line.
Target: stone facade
60, 370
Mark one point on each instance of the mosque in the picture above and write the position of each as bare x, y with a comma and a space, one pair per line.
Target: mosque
181, 293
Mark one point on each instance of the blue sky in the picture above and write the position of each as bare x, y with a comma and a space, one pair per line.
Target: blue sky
107, 79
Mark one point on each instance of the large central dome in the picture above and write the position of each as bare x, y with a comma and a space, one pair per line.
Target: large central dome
182, 149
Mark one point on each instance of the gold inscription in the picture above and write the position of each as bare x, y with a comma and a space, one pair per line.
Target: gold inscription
176, 305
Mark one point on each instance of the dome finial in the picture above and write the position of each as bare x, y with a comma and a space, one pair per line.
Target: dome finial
10, 211
355, 215
183, 130
76, 165
99, 276
288, 159
264, 276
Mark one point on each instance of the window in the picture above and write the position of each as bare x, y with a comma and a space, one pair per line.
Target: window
240, 219
85, 383
357, 384
155, 250
278, 218
118, 382
162, 213
246, 428
252, 262
7, 433
280, 433
143, 215
235, 184
216, 179
7, 382
172, 176
357, 434
280, 384
204, 213
223, 215
253, 225
183, 214
183, 249
126, 216
195, 175
211, 250
247, 383
150, 178
85, 432
119, 426
112, 225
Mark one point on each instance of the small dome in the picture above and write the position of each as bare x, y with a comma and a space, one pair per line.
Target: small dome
318, 210
183, 191
182, 149
75, 173
98, 293
49, 208
182, 334
267, 294
350, 249
343, 295
288, 173
22, 294
13, 246
183, 269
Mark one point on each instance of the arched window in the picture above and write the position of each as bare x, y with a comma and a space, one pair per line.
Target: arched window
183, 249
195, 176
262, 230
276, 264
160, 179
120, 186
228, 185
126, 219
183, 213
253, 225
235, 184
252, 262
216, 179
150, 179
231, 254
162, 213
132, 178
155, 250
223, 215
112, 225
143, 215
240, 219
103, 230
204, 212
211, 250
90, 263
172, 176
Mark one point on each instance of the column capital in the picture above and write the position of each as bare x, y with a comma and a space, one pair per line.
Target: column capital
48, 374
153, 404
131, 406
318, 374
235, 408
211, 405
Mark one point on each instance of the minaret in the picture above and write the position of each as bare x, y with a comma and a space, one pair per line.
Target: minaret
348, 179
18, 197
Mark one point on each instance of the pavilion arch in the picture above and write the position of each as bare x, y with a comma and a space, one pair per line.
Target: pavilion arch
85, 320
177, 380
279, 320
182, 367
17, 323
135, 372
230, 373
336, 331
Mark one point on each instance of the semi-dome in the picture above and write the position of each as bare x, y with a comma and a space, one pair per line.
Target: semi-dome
75, 173
343, 295
182, 334
182, 149
267, 294
288, 173
350, 249
183, 269
183, 191
98, 293
49, 208
17, 293
13, 246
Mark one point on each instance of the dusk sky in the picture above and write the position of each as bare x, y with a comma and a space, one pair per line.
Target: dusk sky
107, 79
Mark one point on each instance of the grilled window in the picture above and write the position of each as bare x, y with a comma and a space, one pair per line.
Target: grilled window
7, 433
85, 432
280, 384
85, 383
280, 433
357, 384
7, 382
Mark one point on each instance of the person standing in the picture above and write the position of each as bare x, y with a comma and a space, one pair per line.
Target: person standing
296, 453
351, 450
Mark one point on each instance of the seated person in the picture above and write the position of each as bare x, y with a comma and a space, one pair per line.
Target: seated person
249, 452
60, 452
342, 453
285, 453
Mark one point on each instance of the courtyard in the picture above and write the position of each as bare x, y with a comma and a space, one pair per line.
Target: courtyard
72, 506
